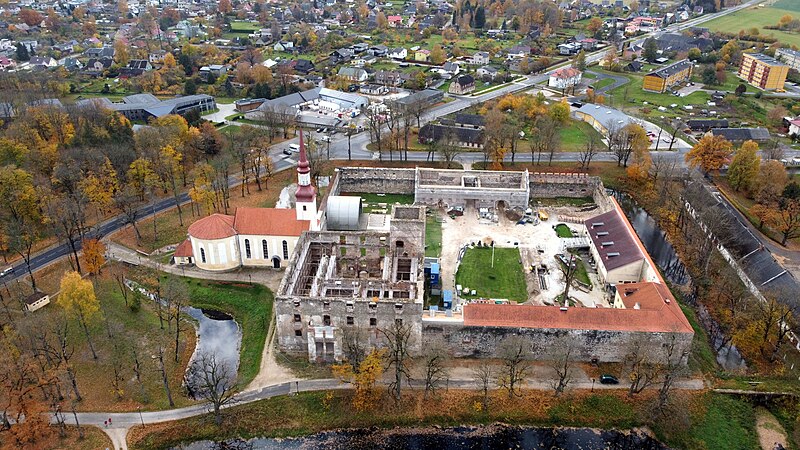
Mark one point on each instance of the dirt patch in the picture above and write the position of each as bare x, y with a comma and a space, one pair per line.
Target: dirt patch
770, 431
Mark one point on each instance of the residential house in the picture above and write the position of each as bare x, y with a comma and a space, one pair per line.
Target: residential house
283, 46
96, 66
389, 78
341, 55
706, 124
7, 63
565, 78
664, 78
395, 21
43, 61
794, 127
479, 58
763, 72
462, 85
360, 47
304, 66
71, 64
487, 73
364, 60
450, 68
374, 89
135, 67
379, 51
156, 56
569, 48
518, 52
353, 74
422, 55
428, 97
99, 52
634, 66
66, 47
398, 53
460, 136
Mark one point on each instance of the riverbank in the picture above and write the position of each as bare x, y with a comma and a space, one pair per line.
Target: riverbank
692, 419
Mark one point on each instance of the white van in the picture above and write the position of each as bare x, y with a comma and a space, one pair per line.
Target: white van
294, 148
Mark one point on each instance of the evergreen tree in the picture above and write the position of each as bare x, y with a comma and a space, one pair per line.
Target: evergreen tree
480, 17
22, 53
650, 50
190, 87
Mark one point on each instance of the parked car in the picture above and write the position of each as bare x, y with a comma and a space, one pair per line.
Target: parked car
6, 271
287, 152
608, 379
295, 148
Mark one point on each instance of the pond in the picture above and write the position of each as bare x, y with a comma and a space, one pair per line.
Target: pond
455, 438
218, 335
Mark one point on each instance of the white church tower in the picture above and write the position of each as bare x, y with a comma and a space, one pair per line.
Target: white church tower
306, 196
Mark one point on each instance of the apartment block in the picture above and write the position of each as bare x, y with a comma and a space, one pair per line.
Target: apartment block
763, 72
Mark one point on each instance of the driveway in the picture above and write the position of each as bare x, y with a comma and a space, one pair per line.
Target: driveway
225, 110
619, 80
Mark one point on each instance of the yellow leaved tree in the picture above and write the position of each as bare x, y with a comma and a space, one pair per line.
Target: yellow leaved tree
77, 297
364, 377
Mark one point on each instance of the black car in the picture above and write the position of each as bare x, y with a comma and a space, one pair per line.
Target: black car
287, 152
608, 379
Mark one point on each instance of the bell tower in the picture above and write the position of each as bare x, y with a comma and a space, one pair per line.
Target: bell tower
306, 195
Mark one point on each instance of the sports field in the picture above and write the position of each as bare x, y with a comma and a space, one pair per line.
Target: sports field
758, 18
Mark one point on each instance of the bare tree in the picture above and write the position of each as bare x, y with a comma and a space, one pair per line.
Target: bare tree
375, 121
773, 150
568, 269
483, 375
544, 138
674, 367
640, 365
354, 346
398, 340
177, 297
515, 355
589, 150
562, 358
447, 147
213, 381
434, 362
164, 377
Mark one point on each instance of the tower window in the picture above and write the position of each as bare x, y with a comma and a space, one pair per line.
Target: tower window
305, 208
298, 332
285, 250
264, 248
373, 322
247, 248
203, 255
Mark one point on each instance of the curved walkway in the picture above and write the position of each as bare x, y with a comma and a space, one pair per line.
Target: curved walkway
619, 80
122, 422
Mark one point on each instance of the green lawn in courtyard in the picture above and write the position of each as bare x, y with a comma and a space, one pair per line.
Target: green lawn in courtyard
563, 231
503, 280
575, 134
433, 235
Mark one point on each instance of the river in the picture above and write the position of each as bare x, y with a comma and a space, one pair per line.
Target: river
486, 437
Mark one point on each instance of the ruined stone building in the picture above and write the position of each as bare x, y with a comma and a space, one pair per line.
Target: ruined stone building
362, 272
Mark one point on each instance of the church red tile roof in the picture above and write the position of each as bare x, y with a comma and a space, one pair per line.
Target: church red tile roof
215, 226
269, 222
184, 250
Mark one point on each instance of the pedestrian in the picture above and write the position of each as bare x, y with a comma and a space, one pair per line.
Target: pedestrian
109, 420
105, 423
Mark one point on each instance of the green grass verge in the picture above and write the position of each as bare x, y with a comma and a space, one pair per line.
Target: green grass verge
702, 356
602, 409
251, 306
433, 235
758, 18
728, 424
504, 280
563, 231
574, 136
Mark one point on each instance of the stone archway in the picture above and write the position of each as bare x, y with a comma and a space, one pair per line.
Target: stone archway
501, 205
276, 262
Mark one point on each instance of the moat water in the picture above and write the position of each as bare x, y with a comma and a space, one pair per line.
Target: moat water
487, 437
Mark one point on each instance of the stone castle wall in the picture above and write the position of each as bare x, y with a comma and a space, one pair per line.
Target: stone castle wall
378, 180
551, 185
606, 346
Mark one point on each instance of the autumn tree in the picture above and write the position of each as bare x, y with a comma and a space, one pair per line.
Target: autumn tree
20, 213
483, 374
94, 255
364, 376
30, 17
710, 153
743, 170
786, 219
594, 25
77, 297
438, 54
770, 182
224, 7
515, 355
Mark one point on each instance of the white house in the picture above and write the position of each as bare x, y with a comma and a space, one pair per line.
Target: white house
794, 127
480, 58
353, 74
398, 53
565, 78
487, 72
253, 237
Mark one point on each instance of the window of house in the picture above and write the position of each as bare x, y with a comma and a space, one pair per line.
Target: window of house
326, 320
297, 318
350, 320
247, 248
398, 307
373, 306
264, 248
349, 306
373, 322
298, 332
203, 255
285, 250
305, 207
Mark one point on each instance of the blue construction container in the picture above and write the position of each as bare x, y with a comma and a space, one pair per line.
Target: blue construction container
435, 274
447, 297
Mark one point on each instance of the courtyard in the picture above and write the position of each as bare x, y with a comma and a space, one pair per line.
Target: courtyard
528, 258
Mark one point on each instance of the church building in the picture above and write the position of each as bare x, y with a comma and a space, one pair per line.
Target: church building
253, 237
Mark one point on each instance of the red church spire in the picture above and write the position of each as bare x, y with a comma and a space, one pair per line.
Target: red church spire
305, 191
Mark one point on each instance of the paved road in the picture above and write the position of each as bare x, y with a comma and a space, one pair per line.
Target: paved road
619, 80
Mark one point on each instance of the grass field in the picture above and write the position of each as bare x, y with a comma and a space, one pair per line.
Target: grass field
563, 231
632, 94
250, 305
433, 235
758, 18
504, 280
574, 136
